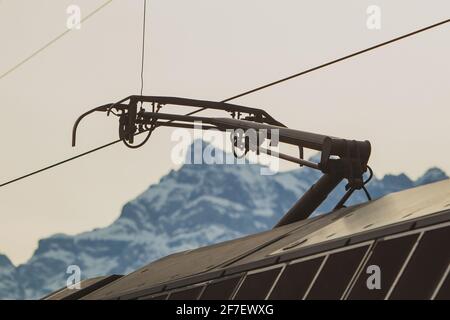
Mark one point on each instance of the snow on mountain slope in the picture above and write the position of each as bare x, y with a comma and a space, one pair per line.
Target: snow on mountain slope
194, 206
9, 282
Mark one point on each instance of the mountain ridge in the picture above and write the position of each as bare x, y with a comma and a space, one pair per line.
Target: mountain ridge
190, 207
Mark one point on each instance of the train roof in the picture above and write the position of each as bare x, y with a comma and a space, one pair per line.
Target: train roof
324, 257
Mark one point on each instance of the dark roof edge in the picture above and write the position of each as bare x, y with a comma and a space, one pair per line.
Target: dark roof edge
435, 218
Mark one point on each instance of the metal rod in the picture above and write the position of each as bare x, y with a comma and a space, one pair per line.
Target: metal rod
229, 107
290, 158
344, 199
311, 200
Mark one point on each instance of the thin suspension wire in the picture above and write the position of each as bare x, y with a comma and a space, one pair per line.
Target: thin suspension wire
337, 60
149, 132
35, 53
143, 46
331, 63
61, 162
238, 96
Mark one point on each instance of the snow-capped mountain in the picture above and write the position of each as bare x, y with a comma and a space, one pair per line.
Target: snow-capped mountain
9, 286
194, 206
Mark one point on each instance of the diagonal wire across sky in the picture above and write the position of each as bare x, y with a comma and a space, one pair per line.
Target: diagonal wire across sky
12, 69
51, 42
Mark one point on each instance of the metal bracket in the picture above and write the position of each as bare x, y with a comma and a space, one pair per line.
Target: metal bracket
340, 158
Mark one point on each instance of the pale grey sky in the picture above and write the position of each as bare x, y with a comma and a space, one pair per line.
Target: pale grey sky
397, 97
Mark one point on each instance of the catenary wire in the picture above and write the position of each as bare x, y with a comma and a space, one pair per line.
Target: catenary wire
35, 53
239, 96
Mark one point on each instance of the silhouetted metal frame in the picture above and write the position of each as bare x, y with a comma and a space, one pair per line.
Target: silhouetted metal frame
340, 158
